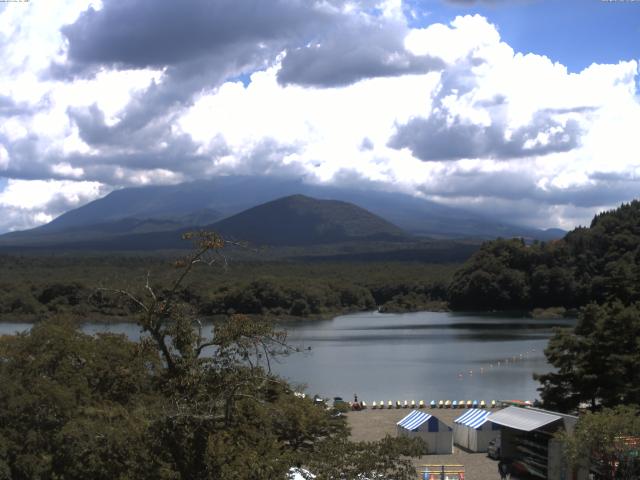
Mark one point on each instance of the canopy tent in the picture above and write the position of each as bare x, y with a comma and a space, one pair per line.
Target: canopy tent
474, 431
436, 434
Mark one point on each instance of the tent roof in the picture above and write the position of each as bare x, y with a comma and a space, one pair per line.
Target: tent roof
522, 418
414, 420
473, 418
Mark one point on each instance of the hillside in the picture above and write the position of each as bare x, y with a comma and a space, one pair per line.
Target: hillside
598, 263
294, 221
204, 202
301, 220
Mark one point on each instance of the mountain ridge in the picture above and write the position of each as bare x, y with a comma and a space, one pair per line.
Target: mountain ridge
167, 208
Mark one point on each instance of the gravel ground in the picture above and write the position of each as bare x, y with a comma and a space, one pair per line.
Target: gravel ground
371, 425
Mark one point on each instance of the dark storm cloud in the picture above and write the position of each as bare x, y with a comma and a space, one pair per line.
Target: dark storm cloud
326, 46
438, 138
357, 48
149, 33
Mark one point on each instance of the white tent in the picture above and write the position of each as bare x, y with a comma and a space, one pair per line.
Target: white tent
438, 435
473, 430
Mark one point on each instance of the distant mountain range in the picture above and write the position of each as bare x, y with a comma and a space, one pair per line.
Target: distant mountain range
261, 210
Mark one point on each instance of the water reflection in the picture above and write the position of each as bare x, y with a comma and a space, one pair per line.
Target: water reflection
423, 355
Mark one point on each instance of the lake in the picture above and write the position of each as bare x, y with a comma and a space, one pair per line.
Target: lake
410, 356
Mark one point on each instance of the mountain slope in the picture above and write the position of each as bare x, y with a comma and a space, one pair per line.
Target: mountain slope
166, 208
301, 220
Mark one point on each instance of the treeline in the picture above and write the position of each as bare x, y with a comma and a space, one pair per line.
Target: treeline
36, 287
596, 264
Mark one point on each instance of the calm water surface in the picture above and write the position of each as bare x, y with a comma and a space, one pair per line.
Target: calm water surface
422, 355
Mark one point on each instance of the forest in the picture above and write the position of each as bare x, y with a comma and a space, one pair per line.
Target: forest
34, 287
598, 264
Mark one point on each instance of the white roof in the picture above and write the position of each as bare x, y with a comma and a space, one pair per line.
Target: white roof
522, 418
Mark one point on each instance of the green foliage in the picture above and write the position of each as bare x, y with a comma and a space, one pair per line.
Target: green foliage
35, 287
609, 441
600, 263
77, 406
59, 385
597, 362
388, 458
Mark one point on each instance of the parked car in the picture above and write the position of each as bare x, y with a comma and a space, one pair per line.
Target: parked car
493, 450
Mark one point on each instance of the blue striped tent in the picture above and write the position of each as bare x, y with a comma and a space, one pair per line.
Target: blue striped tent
473, 430
439, 436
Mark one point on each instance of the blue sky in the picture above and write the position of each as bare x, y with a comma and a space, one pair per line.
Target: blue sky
576, 33
524, 110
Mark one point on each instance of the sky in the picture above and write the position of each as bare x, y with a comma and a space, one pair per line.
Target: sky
524, 110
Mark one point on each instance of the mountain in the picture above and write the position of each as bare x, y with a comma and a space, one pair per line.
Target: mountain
301, 220
293, 221
131, 211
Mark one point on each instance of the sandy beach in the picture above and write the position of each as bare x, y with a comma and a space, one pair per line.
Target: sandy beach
370, 425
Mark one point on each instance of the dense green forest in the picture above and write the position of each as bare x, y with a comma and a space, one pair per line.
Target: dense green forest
596, 264
34, 287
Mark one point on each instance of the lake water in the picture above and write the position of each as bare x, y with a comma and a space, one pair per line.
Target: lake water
424, 355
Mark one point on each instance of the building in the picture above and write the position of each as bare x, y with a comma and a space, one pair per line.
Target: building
437, 435
528, 442
473, 431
